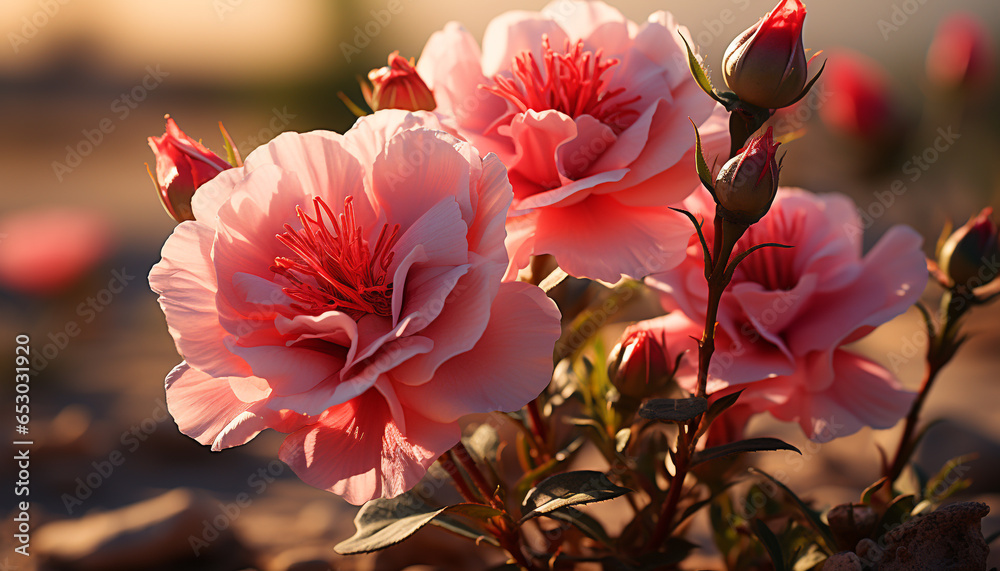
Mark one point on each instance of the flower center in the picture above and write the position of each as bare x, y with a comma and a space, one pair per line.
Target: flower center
572, 83
773, 268
334, 267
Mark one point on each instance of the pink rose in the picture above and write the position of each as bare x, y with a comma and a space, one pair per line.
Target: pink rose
589, 111
346, 289
788, 313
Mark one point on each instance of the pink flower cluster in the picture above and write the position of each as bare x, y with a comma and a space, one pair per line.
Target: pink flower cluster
788, 313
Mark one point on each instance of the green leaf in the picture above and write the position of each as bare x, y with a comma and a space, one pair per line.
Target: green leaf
385, 522
812, 558
351, 106
897, 512
586, 524
809, 85
522, 488
771, 544
704, 248
704, 173
568, 489
698, 72
717, 407
748, 445
232, 153
811, 515
673, 410
943, 484
866, 496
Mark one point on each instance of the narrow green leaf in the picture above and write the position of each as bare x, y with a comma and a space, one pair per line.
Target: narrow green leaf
232, 153
809, 85
810, 560
698, 72
866, 496
704, 247
942, 482
704, 173
748, 445
673, 410
770, 542
897, 512
811, 515
351, 106
732, 266
523, 486
717, 407
459, 527
385, 522
568, 489
586, 524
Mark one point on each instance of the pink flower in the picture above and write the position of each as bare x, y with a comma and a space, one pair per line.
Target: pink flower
788, 313
48, 250
182, 165
589, 111
347, 289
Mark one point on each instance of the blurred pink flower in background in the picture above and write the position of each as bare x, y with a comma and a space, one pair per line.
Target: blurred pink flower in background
182, 165
788, 313
47, 250
371, 323
859, 100
961, 54
590, 113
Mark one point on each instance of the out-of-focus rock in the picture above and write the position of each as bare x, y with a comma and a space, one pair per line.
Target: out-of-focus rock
147, 535
949, 539
843, 561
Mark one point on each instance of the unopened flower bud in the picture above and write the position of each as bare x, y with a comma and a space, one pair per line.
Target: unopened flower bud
398, 86
961, 55
643, 365
968, 256
766, 65
746, 185
182, 165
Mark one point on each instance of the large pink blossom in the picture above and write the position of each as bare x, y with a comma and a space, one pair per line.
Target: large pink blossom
788, 313
347, 289
592, 115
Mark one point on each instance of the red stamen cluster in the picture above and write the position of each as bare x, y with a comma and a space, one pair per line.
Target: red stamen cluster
572, 84
335, 269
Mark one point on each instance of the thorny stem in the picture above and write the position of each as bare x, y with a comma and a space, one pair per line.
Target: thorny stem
456, 476
726, 236
461, 453
940, 350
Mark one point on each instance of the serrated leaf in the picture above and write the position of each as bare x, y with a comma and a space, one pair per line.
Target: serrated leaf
673, 410
770, 542
384, 522
568, 489
586, 524
811, 515
748, 445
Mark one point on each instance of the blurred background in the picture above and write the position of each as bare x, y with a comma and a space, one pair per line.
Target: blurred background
83, 83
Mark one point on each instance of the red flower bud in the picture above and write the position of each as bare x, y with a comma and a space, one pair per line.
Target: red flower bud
766, 65
398, 86
182, 165
643, 365
746, 185
968, 256
961, 55
859, 101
